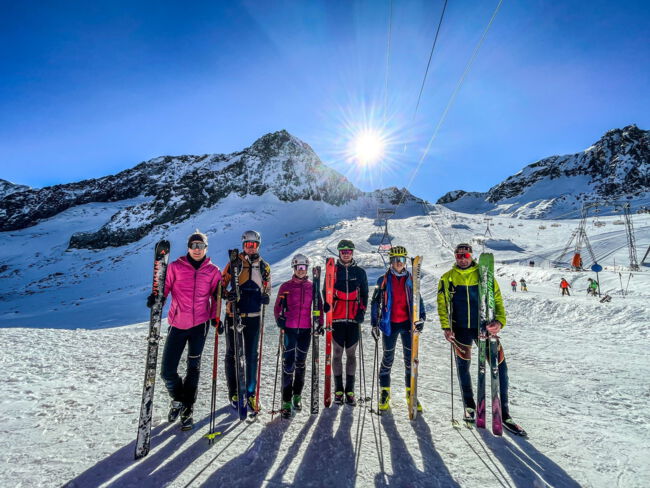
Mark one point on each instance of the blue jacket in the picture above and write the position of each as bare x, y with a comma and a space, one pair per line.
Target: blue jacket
382, 300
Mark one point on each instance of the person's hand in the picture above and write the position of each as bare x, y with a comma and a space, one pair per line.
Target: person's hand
493, 327
265, 299
449, 335
320, 330
221, 327
151, 299
326, 307
375, 333
231, 296
419, 325
281, 322
215, 322
358, 318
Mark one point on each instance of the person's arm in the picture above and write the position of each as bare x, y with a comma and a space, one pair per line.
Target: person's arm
375, 304
499, 309
443, 306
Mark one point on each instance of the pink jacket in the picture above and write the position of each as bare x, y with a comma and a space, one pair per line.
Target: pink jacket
192, 292
295, 296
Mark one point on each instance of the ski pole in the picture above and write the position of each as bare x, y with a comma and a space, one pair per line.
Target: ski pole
451, 382
362, 368
277, 365
259, 361
213, 394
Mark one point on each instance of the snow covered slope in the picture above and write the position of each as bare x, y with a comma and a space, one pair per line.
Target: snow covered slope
578, 371
617, 167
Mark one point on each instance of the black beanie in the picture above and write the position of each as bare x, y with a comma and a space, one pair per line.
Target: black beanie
197, 236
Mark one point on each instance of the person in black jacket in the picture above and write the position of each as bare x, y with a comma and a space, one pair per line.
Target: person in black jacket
349, 309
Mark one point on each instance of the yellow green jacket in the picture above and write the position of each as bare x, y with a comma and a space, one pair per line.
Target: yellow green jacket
458, 299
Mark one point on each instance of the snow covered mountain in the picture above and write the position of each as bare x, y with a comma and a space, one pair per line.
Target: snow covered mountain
615, 168
7, 188
90, 242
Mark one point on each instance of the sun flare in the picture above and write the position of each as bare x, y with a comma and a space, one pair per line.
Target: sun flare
368, 147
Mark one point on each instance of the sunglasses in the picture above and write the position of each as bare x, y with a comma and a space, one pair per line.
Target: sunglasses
198, 245
346, 251
300, 267
398, 259
251, 245
463, 255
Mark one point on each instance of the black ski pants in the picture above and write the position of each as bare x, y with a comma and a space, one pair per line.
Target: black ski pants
183, 390
296, 347
251, 336
463, 348
403, 330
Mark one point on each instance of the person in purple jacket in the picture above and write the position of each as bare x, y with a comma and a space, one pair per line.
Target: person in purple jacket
192, 281
293, 307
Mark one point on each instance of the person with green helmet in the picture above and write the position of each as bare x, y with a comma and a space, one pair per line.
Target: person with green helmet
392, 313
348, 312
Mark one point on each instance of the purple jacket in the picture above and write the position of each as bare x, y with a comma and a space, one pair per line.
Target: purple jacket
192, 292
295, 297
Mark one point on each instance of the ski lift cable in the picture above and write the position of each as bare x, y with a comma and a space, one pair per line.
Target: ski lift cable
426, 72
450, 102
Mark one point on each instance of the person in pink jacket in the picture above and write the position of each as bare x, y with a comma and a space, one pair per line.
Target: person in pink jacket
293, 314
192, 281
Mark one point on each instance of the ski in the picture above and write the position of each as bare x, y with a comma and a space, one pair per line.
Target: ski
315, 314
330, 278
416, 268
161, 259
482, 341
259, 366
240, 366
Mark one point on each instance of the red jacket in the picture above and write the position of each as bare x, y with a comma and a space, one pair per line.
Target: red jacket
192, 292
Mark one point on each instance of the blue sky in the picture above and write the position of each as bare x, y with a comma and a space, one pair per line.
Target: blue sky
88, 90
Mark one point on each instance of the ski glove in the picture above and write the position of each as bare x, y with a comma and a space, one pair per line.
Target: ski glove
358, 318
494, 327
320, 330
151, 299
281, 322
265, 299
231, 296
326, 307
419, 325
375, 333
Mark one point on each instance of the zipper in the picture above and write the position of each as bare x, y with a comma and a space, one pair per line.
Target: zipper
347, 296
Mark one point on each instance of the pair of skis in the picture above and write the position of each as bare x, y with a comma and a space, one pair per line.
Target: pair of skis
416, 272
330, 274
488, 347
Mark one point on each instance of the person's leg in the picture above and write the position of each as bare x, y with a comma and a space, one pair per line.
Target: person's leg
405, 334
503, 383
174, 345
288, 363
463, 350
229, 359
338, 346
388, 343
196, 342
351, 342
251, 335
302, 348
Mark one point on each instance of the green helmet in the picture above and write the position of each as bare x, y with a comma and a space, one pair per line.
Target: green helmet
345, 244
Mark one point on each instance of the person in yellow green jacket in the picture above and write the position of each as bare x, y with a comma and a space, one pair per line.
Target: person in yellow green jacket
458, 309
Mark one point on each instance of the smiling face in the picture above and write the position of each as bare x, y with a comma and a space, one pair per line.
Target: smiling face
463, 258
197, 250
300, 270
398, 263
346, 255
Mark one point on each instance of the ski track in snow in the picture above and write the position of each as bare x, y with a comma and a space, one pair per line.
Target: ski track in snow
578, 370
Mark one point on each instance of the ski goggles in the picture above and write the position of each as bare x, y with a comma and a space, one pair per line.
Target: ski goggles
346, 252
251, 245
300, 267
198, 245
398, 259
463, 255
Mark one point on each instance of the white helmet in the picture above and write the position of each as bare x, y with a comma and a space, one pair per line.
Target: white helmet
251, 236
299, 259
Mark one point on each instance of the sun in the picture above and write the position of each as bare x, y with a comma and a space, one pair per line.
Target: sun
368, 147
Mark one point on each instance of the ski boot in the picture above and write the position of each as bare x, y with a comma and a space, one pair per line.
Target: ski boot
512, 426
174, 411
468, 415
297, 402
286, 410
253, 406
408, 397
338, 397
187, 423
384, 398
350, 399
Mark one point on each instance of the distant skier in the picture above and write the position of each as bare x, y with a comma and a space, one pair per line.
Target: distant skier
192, 281
458, 309
592, 287
391, 314
293, 314
513, 284
349, 310
522, 283
255, 289
564, 285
